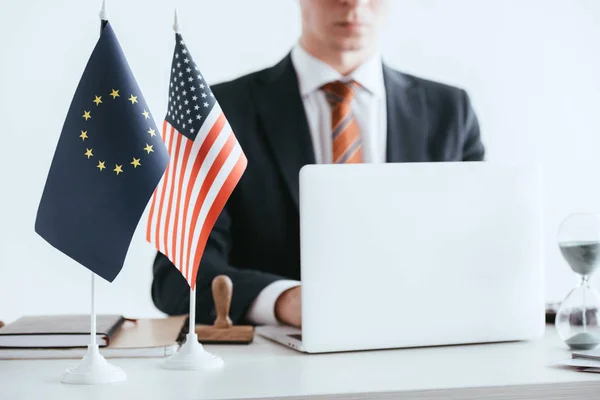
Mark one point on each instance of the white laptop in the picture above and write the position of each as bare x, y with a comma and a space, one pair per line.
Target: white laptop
403, 255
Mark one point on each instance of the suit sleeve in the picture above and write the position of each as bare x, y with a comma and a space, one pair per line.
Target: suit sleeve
170, 291
473, 149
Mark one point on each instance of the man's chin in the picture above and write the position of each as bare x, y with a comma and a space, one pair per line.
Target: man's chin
351, 44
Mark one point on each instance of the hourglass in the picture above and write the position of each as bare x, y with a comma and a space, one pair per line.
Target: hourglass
577, 319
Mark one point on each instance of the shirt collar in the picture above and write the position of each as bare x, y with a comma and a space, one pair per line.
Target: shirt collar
314, 73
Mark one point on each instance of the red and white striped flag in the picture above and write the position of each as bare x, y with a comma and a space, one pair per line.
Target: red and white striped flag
206, 163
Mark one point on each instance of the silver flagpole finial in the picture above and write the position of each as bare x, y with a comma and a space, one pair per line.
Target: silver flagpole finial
104, 11
176, 26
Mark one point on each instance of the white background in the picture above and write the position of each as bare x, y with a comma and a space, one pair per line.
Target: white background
531, 67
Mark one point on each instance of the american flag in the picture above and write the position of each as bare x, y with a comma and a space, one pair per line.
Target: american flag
206, 163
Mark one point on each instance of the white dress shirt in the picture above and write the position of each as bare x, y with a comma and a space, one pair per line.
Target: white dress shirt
369, 110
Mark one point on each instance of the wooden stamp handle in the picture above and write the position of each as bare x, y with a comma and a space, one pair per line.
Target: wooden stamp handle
222, 288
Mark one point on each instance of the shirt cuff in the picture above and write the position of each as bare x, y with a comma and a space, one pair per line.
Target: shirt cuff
262, 309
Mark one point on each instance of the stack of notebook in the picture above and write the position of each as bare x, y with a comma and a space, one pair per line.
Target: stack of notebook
67, 336
584, 360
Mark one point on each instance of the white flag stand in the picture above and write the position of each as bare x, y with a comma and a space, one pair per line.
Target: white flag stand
93, 368
191, 354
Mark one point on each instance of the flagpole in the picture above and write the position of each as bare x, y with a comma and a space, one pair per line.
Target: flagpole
93, 313
103, 22
192, 315
103, 16
93, 368
191, 355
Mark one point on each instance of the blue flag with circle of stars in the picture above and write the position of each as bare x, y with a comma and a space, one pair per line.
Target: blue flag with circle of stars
108, 161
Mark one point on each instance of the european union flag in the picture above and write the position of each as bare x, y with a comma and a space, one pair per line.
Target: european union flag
109, 159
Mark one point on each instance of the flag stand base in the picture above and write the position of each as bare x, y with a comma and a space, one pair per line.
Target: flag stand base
192, 356
93, 369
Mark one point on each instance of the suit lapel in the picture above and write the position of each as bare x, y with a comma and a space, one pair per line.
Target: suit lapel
285, 124
407, 123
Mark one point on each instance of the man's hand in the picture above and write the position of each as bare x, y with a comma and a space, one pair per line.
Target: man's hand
288, 307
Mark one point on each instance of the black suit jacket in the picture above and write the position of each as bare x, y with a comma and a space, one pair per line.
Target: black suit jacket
255, 240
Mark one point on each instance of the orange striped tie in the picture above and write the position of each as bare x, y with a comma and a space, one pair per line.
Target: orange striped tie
346, 146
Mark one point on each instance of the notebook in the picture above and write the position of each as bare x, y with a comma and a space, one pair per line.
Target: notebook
587, 355
580, 364
135, 338
55, 331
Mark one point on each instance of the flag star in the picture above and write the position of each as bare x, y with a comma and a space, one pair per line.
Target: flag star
196, 107
88, 153
178, 65
196, 68
186, 60
177, 121
146, 114
114, 94
148, 148
198, 116
83, 135
199, 76
195, 98
202, 86
190, 79
192, 130
190, 121
177, 88
172, 94
175, 79
86, 115
184, 92
181, 42
211, 94
135, 162
203, 95
100, 165
173, 69
184, 51
181, 115
206, 105
186, 102
178, 97
152, 132
193, 88
187, 111
118, 169
184, 126
180, 106
97, 100
181, 83
176, 55
133, 99
180, 74
169, 113
188, 69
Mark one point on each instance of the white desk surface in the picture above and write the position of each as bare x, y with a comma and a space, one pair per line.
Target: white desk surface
268, 370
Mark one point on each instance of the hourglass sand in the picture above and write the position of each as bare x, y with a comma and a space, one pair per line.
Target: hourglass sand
577, 319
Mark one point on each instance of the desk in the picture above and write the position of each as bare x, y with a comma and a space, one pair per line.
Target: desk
266, 370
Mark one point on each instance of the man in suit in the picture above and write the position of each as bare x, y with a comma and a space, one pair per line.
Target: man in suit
331, 99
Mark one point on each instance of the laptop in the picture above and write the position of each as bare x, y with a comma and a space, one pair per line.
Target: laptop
402, 255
